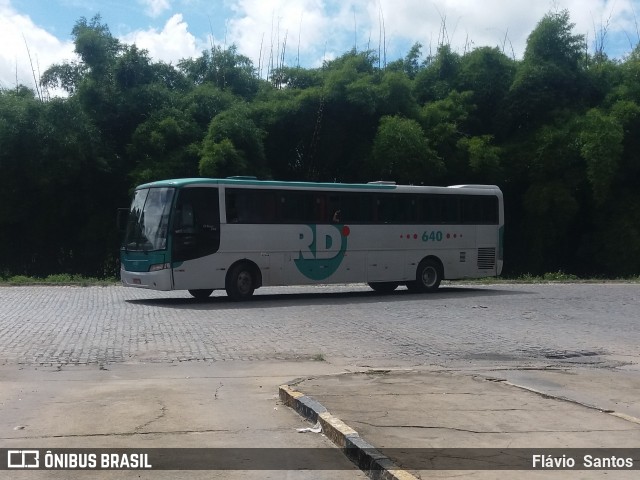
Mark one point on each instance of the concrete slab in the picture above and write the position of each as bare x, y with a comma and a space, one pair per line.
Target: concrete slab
606, 389
182, 405
401, 412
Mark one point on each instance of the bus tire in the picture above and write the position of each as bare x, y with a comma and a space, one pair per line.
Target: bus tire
201, 293
383, 287
241, 281
428, 276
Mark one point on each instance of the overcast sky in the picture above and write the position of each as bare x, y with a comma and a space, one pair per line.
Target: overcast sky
314, 30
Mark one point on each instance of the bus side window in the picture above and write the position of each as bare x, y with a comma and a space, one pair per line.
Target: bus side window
334, 211
232, 209
479, 209
267, 204
319, 212
386, 208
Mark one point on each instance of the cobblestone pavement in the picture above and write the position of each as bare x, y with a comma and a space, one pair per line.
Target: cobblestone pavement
461, 324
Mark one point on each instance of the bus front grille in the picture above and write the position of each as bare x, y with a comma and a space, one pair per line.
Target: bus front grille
486, 258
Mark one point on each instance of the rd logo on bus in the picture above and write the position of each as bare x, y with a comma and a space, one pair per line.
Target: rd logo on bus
321, 250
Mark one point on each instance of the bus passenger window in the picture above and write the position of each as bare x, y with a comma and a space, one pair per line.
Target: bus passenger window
319, 214
231, 209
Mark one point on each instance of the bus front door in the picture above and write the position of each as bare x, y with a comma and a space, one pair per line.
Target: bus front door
196, 237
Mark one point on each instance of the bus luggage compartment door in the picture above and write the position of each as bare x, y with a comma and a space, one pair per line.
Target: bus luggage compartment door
385, 266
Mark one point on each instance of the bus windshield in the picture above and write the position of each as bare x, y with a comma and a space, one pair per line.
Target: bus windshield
148, 222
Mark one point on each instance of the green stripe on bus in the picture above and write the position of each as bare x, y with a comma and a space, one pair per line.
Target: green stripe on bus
182, 182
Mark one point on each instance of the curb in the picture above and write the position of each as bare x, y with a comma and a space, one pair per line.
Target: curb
364, 455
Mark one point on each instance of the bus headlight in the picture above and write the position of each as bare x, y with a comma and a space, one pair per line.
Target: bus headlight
158, 266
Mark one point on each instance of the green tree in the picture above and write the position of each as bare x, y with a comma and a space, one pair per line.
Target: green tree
203, 102
294, 120
345, 118
551, 212
484, 158
488, 74
298, 78
55, 212
444, 122
615, 247
439, 77
601, 147
233, 145
222, 159
402, 153
395, 96
557, 131
225, 68
118, 85
65, 76
410, 64
95, 45
551, 76
165, 146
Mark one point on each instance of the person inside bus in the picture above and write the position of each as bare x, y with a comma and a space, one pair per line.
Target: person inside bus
336, 217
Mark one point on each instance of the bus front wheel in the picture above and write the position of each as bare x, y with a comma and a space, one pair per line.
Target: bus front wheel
241, 282
201, 293
428, 276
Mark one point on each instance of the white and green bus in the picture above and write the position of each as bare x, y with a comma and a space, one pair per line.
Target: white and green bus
240, 233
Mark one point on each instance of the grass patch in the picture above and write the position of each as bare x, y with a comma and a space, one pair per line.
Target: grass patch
18, 280
550, 277
558, 276
57, 279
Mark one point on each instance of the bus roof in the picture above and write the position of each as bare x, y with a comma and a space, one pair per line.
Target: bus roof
181, 182
248, 181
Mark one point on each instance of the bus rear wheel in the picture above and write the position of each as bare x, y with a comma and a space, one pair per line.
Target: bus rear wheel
428, 277
201, 293
241, 282
383, 287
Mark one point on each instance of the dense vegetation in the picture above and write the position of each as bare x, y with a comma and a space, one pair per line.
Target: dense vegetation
558, 131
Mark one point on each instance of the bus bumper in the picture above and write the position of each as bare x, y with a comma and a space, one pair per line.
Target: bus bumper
160, 280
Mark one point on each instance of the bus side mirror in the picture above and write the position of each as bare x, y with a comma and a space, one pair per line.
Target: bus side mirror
121, 219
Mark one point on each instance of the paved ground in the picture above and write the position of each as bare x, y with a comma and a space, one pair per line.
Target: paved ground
346, 325
106, 366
